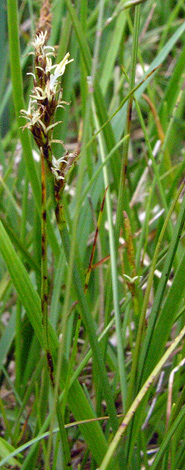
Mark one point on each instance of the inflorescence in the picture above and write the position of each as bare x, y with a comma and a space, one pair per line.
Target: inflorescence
45, 98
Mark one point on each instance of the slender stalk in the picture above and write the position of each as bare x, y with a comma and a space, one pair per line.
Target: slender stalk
74, 276
113, 271
89, 269
44, 270
154, 166
137, 401
97, 40
146, 299
91, 330
122, 193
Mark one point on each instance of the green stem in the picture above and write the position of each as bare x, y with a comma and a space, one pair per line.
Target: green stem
138, 400
122, 193
113, 272
18, 342
44, 271
146, 300
154, 166
90, 326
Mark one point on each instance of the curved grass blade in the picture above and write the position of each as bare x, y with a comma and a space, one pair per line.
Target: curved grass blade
77, 401
144, 364
100, 103
167, 438
118, 123
137, 401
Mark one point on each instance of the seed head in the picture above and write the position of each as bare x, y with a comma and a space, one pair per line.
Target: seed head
46, 95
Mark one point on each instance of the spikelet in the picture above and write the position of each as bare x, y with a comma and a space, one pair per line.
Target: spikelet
44, 22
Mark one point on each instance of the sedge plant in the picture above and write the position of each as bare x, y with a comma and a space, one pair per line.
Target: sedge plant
92, 215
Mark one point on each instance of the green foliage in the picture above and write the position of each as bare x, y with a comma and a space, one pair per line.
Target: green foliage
118, 348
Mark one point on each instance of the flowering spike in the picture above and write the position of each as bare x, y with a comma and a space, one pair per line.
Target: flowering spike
46, 96
44, 100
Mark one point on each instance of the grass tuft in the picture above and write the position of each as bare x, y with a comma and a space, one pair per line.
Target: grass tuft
92, 238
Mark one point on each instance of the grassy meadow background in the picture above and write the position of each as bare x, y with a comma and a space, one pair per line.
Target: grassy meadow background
117, 398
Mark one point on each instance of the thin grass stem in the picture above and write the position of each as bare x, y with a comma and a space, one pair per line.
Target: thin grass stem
113, 270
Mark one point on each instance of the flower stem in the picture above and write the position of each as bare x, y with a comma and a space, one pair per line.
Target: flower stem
44, 271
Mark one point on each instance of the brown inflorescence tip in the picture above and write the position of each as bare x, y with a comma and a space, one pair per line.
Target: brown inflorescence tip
44, 22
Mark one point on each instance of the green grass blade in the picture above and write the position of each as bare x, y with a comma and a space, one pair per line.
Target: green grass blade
31, 301
19, 104
167, 317
89, 323
143, 367
138, 400
120, 119
168, 436
100, 104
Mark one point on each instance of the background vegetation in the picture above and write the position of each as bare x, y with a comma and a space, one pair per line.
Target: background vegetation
117, 346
